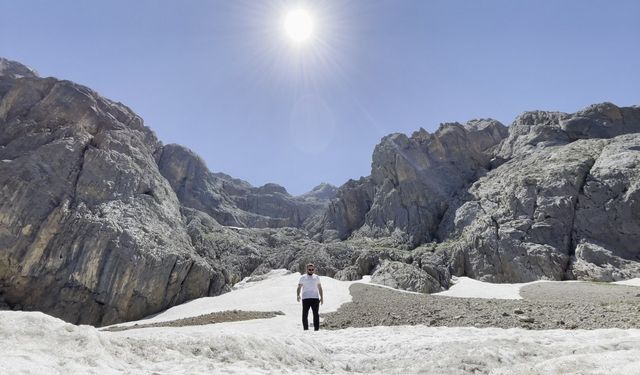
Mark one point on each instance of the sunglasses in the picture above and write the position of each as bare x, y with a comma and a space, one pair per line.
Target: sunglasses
310, 269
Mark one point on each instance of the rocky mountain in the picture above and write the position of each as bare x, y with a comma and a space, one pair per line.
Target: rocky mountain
556, 197
100, 222
234, 202
412, 182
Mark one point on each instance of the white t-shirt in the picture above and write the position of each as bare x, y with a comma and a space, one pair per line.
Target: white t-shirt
309, 286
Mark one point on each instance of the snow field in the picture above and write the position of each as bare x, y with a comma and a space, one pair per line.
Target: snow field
35, 343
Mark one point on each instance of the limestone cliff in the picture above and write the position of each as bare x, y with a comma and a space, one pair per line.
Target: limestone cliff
90, 231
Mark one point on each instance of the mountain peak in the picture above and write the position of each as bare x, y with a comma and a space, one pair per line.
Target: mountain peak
322, 191
13, 69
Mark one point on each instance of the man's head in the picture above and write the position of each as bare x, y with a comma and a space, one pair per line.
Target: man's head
310, 269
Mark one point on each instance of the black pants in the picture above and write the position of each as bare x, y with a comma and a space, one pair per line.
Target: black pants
314, 304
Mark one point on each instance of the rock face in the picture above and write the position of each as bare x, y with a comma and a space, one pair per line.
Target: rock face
554, 198
607, 218
412, 183
517, 222
562, 202
90, 231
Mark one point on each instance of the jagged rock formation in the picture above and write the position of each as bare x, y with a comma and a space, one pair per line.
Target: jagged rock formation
560, 200
89, 229
12, 69
412, 183
234, 202
556, 198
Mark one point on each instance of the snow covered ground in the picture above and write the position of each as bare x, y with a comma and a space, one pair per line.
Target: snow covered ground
465, 287
34, 343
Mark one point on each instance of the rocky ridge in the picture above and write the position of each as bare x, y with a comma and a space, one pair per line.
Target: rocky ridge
555, 198
234, 202
412, 182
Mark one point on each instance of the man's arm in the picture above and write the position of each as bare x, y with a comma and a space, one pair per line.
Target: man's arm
298, 292
320, 290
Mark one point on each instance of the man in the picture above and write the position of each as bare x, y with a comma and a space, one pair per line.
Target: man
311, 297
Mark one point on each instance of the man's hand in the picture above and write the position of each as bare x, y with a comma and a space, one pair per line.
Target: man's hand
321, 300
298, 298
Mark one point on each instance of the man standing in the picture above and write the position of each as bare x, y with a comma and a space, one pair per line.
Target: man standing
311, 297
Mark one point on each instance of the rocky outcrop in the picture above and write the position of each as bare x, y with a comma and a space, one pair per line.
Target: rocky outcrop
90, 231
13, 69
606, 226
322, 193
538, 129
555, 199
404, 276
517, 221
563, 205
101, 223
412, 182
346, 213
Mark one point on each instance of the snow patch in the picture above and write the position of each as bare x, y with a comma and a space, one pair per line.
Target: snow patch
276, 292
631, 282
465, 287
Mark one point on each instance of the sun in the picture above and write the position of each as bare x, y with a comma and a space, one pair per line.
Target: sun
298, 25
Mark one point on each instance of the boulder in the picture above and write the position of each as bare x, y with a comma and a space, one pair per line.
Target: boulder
596, 263
406, 277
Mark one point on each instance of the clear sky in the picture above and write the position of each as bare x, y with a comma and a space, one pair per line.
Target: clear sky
222, 78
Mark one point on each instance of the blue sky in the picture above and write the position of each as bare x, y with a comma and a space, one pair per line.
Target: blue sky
221, 78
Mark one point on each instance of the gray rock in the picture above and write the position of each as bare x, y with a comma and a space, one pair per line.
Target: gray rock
608, 208
346, 212
405, 276
526, 319
538, 129
531, 130
13, 69
234, 202
596, 263
89, 229
413, 180
349, 273
524, 220
517, 223
322, 192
